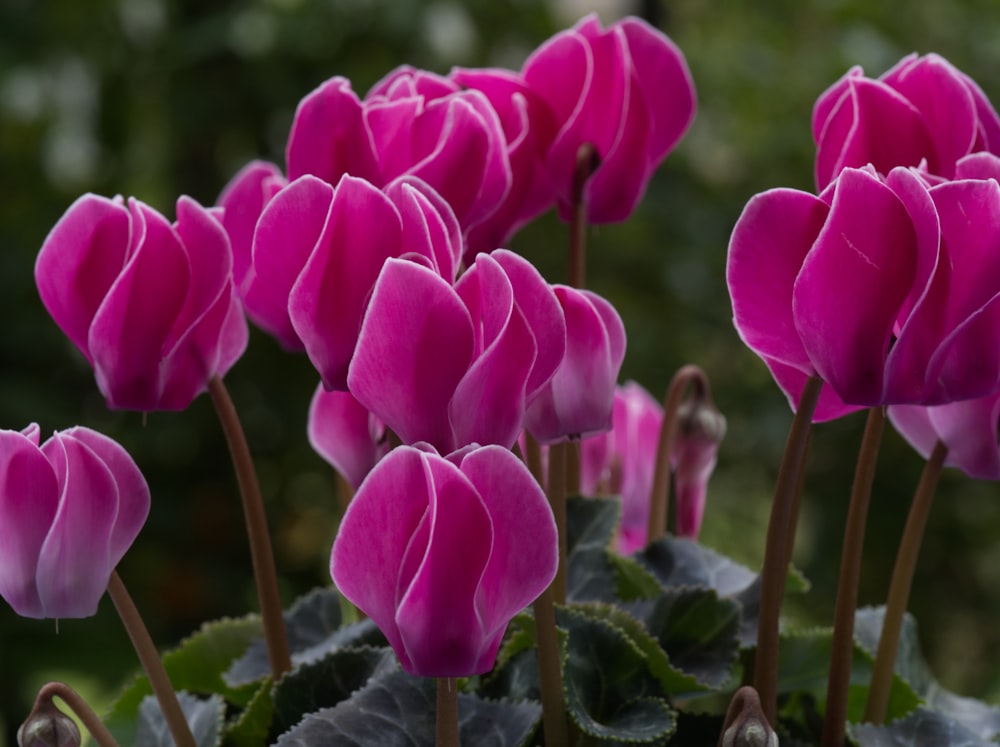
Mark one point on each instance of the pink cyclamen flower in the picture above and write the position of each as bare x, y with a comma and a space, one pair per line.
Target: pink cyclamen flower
529, 126
346, 434
967, 428
242, 201
150, 305
923, 110
318, 250
700, 430
69, 509
887, 290
411, 122
627, 91
457, 365
442, 553
578, 400
622, 461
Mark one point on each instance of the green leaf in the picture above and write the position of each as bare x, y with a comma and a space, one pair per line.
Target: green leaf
204, 716
981, 719
325, 683
399, 709
196, 665
314, 625
632, 581
677, 561
590, 530
700, 633
804, 665
922, 728
253, 725
611, 693
674, 681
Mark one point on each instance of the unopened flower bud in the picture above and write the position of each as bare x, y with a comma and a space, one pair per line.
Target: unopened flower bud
746, 725
47, 726
700, 430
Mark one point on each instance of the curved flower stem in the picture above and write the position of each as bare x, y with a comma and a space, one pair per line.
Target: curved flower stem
659, 498
573, 466
446, 723
780, 537
557, 500
151, 662
847, 587
98, 731
260, 541
899, 587
587, 162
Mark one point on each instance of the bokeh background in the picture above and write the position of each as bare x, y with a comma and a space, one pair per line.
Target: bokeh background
157, 98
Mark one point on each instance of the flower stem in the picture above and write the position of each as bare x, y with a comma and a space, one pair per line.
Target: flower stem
557, 500
446, 725
79, 706
256, 522
586, 162
550, 670
780, 537
151, 662
659, 498
847, 587
899, 587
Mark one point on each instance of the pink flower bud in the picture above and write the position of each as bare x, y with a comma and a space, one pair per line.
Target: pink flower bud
700, 430
69, 509
442, 553
151, 305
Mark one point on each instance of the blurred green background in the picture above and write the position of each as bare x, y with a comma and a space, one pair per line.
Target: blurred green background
157, 98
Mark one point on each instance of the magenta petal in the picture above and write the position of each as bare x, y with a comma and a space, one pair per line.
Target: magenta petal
437, 617
327, 302
489, 402
415, 345
80, 260
373, 536
578, 401
75, 563
867, 251
662, 78
769, 244
540, 306
133, 490
969, 430
329, 137
636, 424
792, 381
29, 498
243, 199
871, 124
430, 227
287, 233
525, 544
345, 434
938, 91
136, 320
978, 166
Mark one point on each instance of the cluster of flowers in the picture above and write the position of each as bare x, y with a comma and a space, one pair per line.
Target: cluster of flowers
376, 254
886, 284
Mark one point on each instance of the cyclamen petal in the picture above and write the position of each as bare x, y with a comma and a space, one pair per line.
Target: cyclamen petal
627, 91
441, 554
70, 508
151, 305
345, 434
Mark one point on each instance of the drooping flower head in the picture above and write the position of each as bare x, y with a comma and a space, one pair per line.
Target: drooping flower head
442, 552
456, 365
69, 509
150, 304
627, 91
411, 123
886, 289
922, 111
319, 248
